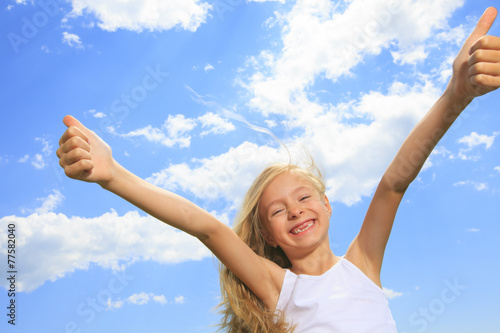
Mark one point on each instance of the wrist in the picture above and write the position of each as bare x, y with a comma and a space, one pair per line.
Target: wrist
458, 101
116, 172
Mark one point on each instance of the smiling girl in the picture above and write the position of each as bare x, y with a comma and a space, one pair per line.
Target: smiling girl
278, 273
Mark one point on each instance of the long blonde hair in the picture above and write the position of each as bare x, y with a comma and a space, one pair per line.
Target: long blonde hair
242, 310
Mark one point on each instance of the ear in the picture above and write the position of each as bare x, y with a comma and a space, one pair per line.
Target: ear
328, 206
268, 238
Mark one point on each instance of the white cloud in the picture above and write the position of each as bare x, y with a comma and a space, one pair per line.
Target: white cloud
208, 68
46, 146
72, 40
472, 141
114, 304
417, 54
281, 1
390, 294
173, 132
96, 114
24, 159
39, 159
354, 157
50, 203
139, 15
224, 176
270, 123
497, 168
472, 230
216, 123
477, 186
176, 129
179, 300
159, 299
142, 298
109, 241
139, 299
310, 49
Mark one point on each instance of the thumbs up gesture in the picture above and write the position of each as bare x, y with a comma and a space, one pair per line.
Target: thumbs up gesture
83, 155
476, 69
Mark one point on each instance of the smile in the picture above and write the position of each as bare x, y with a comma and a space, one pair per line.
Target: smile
303, 227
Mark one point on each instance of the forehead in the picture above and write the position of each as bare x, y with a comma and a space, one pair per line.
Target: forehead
285, 184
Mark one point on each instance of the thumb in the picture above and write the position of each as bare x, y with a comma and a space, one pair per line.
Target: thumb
484, 24
72, 121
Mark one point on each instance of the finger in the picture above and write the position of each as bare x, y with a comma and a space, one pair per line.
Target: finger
484, 82
74, 156
482, 55
72, 121
79, 169
485, 69
71, 132
486, 43
73, 143
483, 25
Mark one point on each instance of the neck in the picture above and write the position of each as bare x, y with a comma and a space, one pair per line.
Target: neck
315, 263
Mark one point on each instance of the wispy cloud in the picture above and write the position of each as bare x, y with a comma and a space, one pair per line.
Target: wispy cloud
215, 124
476, 185
50, 203
39, 160
142, 298
96, 114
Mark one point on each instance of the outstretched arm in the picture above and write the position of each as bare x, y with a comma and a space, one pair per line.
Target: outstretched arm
85, 156
476, 71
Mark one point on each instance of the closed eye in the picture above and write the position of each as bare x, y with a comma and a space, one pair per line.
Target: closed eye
305, 197
276, 212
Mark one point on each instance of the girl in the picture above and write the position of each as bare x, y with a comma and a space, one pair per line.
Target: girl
279, 273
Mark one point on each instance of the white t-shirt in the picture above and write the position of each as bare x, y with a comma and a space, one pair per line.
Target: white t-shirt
342, 300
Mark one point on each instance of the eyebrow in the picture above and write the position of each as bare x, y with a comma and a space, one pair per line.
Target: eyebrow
298, 189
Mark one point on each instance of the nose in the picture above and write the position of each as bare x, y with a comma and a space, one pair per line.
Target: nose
294, 212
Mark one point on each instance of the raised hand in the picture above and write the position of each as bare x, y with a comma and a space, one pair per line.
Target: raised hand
83, 155
476, 69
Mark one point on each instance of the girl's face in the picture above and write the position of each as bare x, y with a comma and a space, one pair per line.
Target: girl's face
295, 216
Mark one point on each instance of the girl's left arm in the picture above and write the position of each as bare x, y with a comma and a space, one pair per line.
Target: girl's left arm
476, 71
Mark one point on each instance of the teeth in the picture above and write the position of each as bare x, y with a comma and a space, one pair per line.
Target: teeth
304, 228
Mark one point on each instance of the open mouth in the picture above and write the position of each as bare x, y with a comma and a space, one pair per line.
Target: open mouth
302, 227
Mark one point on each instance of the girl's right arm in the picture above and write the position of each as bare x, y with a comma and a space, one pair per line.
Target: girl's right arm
85, 156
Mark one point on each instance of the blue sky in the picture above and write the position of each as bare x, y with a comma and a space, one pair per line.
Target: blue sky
190, 95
